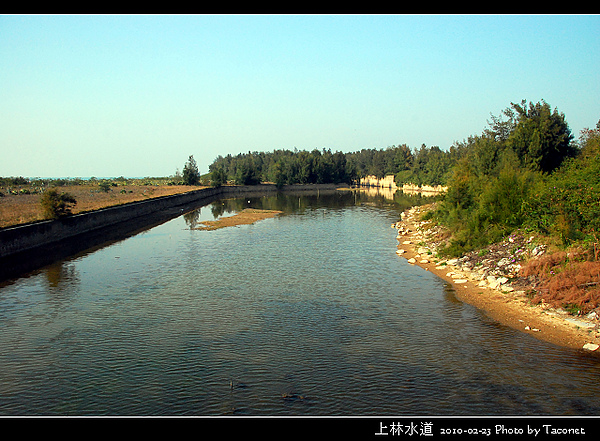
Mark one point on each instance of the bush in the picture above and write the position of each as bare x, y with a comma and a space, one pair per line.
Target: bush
105, 186
568, 204
55, 205
567, 280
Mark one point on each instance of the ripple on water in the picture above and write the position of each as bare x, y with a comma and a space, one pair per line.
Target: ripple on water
310, 313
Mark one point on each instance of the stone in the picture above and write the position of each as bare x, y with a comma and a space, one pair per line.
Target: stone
460, 281
424, 261
504, 261
580, 323
400, 251
412, 260
591, 346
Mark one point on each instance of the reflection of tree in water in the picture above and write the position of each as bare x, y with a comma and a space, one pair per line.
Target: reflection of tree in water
62, 278
217, 209
191, 218
298, 202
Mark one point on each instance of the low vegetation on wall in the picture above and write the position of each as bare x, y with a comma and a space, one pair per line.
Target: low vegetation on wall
28, 200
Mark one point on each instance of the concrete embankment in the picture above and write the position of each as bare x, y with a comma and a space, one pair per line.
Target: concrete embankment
25, 247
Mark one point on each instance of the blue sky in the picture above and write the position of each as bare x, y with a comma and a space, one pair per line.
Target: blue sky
135, 95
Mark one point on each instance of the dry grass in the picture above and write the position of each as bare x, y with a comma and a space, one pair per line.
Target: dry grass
566, 279
24, 208
245, 217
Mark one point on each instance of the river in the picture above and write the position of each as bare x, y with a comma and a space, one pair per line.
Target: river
308, 313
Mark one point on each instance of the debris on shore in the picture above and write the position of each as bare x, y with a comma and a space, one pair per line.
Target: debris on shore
500, 267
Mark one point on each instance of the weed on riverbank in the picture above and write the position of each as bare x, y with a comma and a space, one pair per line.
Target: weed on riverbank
568, 280
549, 273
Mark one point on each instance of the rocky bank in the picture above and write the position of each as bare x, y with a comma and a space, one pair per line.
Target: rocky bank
489, 279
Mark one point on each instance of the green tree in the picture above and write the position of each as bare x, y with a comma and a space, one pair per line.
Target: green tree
247, 172
55, 205
590, 141
541, 138
191, 175
218, 177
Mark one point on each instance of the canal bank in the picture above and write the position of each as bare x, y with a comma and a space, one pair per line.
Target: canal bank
509, 305
29, 246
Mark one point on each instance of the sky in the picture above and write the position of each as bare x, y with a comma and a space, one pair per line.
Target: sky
136, 95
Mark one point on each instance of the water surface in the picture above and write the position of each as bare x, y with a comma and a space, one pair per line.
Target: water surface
309, 313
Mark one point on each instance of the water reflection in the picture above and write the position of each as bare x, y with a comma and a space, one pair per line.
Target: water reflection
192, 218
61, 276
309, 313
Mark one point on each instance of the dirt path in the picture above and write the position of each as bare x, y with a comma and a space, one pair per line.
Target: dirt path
500, 301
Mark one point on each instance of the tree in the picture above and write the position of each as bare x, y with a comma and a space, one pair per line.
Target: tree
218, 177
56, 205
191, 175
541, 137
590, 141
247, 173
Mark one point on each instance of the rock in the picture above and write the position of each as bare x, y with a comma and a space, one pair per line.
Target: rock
424, 261
422, 250
591, 346
412, 260
400, 251
580, 323
406, 242
539, 250
504, 261
460, 281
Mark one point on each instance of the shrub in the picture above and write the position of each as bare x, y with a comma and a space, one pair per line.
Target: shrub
567, 280
55, 205
105, 186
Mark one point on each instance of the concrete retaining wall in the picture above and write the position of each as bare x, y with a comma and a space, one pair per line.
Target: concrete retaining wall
22, 238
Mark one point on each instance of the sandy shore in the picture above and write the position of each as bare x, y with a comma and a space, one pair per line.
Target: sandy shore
502, 303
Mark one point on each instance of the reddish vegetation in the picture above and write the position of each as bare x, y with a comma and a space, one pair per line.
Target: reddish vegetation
568, 280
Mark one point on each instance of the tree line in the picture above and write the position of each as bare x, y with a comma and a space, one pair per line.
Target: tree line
525, 170
425, 165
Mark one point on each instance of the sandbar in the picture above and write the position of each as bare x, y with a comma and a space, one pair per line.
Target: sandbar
245, 217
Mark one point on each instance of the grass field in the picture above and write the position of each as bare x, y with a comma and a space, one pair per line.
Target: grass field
20, 204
